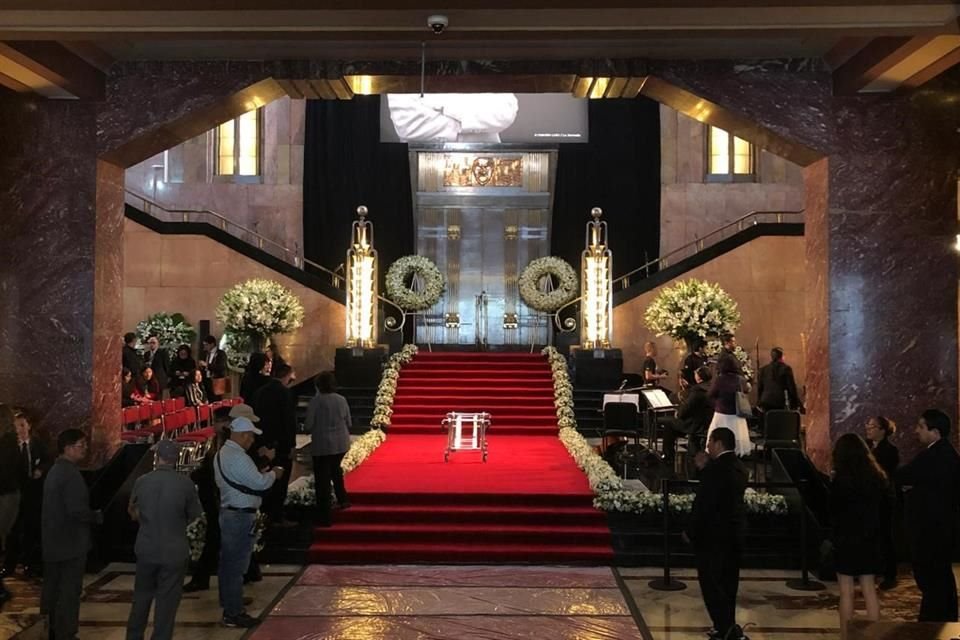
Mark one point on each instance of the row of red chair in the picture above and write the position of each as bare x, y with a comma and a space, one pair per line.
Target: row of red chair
152, 421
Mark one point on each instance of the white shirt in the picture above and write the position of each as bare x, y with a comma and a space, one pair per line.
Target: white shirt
452, 117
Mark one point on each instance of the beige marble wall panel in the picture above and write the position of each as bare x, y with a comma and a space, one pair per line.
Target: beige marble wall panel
691, 208
767, 279
195, 271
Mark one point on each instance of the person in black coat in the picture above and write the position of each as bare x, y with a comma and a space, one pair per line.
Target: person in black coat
214, 366
275, 405
255, 376
693, 415
878, 431
859, 513
33, 461
716, 530
776, 386
181, 371
203, 477
131, 359
158, 360
693, 361
932, 483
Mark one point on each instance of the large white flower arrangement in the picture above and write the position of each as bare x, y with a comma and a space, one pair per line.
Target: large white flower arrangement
713, 349
610, 494
406, 298
301, 491
387, 391
566, 290
692, 308
260, 308
171, 329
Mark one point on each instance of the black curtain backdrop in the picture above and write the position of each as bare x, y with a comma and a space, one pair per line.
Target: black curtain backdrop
618, 171
345, 165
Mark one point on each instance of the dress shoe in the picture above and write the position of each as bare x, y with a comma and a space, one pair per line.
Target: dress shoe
343, 506
193, 586
242, 621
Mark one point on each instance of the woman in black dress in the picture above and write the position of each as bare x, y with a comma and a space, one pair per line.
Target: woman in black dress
859, 495
879, 430
181, 371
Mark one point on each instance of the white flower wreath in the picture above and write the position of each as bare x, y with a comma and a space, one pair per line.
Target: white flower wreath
565, 292
405, 297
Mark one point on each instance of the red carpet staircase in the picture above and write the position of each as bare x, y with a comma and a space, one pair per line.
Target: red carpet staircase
528, 503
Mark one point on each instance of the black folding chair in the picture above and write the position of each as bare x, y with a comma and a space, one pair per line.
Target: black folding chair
781, 430
621, 420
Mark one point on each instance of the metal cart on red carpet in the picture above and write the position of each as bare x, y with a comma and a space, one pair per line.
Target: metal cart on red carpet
456, 423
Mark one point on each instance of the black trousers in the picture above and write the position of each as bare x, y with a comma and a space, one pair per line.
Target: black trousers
933, 572
273, 502
326, 469
718, 572
60, 598
23, 543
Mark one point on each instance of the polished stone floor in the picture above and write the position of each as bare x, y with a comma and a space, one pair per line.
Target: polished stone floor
438, 602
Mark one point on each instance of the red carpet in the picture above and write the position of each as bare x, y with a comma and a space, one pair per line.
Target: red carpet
528, 503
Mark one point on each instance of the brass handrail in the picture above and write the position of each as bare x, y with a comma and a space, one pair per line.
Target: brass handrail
151, 207
696, 246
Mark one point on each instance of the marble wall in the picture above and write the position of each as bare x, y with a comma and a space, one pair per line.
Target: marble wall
271, 206
691, 207
771, 301
189, 274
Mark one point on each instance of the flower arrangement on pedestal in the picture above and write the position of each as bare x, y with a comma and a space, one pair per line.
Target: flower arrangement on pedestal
610, 494
414, 267
251, 312
555, 297
171, 329
692, 309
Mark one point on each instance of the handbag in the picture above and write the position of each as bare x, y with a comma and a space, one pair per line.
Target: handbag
220, 386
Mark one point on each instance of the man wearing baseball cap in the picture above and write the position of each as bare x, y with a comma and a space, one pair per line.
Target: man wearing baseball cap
242, 487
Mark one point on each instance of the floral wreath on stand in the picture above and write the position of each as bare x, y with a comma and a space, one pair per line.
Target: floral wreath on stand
548, 301
402, 295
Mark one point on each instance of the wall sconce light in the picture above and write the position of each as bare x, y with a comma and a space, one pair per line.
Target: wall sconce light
451, 320
511, 232
510, 321
596, 269
453, 232
361, 274
956, 246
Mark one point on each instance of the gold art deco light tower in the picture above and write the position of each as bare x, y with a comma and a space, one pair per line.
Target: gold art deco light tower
361, 283
596, 270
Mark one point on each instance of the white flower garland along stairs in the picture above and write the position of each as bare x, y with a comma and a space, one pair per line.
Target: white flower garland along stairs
527, 503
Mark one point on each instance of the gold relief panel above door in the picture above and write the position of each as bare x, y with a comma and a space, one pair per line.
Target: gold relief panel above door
480, 170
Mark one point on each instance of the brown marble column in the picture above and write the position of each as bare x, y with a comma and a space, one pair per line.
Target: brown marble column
48, 235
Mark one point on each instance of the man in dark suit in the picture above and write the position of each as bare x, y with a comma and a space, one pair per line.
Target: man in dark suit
693, 415
131, 359
776, 387
157, 359
693, 361
728, 351
23, 545
214, 366
275, 404
931, 480
716, 529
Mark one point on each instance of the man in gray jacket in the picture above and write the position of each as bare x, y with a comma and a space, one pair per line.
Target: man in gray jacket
164, 502
66, 522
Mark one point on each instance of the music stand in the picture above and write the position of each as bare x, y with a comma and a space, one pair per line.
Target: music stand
658, 404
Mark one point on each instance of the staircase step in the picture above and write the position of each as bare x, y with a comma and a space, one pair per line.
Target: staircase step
460, 375
499, 432
474, 367
488, 500
463, 514
539, 418
488, 533
493, 387
435, 552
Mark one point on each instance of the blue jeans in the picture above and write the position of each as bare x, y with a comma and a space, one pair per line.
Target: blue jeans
236, 546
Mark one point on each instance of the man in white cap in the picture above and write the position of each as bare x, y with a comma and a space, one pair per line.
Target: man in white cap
164, 502
242, 487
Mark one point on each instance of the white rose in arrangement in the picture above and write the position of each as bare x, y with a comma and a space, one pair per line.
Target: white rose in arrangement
692, 309
260, 308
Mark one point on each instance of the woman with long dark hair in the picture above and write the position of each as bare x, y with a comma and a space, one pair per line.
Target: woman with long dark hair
181, 370
194, 391
859, 498
723, 393
147, 387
